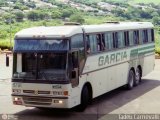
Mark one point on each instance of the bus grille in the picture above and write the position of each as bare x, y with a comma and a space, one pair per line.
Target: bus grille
38, 92
28, 91
37, 101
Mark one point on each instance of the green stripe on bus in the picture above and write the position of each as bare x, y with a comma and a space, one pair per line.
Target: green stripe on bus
137, 51
134, 52
145, 52
148, 47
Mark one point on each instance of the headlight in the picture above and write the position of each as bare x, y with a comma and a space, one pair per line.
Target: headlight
58, 101
17, 91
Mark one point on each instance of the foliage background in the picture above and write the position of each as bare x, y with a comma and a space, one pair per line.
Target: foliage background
15, 19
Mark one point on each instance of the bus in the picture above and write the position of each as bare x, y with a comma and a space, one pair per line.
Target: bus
68, 66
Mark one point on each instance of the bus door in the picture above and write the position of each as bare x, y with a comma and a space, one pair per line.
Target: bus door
74, 68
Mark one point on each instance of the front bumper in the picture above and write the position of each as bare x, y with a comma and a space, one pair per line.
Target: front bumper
41, 101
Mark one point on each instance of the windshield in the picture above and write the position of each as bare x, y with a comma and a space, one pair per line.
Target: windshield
43, 66
40, 45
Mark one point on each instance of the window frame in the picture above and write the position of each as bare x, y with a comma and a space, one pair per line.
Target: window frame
126, 39
112, 41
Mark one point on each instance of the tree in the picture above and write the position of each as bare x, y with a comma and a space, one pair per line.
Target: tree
56, 14
67, 13
154, 14
19, 16
42, 15
156, 20
31, 4
117, 12
33, 15
158, 11
147, 13
18, 5
77, 18
8, 18
134, 12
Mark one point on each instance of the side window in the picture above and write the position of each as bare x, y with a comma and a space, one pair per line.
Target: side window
145, 36
136, 37
88, 44
98, 37
115, 40
140, 36
126, 38
92, 43
77, 41
131, 38
120, 39
149, 35
108, 40
103, 43
100, 42
152, 34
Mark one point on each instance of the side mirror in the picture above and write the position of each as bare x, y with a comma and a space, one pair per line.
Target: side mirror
7, 60
73, 74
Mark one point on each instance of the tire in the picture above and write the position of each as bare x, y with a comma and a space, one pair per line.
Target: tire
137, 77
85, 98
131, 79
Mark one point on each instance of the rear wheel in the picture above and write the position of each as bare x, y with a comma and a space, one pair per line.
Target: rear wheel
131, 79
137, 77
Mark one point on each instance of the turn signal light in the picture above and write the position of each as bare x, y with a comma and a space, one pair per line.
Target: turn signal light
65, 93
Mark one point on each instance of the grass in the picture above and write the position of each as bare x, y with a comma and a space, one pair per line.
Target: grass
6, 44
157, 41
5, 30
100, 19
133, 1
144, 1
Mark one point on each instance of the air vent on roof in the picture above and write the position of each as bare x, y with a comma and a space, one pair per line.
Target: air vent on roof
112, 22
71, 23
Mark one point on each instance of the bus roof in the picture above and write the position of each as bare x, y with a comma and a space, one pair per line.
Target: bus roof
117, 26
49, 32
68, 31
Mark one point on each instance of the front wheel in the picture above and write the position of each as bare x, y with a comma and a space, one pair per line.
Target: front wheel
131, 79
85, 98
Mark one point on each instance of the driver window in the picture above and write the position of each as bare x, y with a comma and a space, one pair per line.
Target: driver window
75, 60
73, 75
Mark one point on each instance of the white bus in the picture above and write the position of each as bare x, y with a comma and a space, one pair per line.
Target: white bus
67, 66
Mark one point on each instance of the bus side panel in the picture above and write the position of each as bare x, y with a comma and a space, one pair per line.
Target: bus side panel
101, 81
146, 58
121, 74
76, 92
108, 79
147, 64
